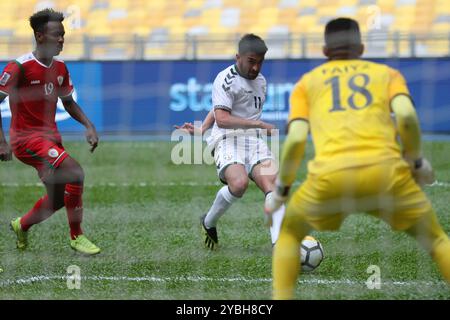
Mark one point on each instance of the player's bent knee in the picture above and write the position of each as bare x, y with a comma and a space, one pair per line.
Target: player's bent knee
428, 232
78, 174
70, 171
296, 225
238, 186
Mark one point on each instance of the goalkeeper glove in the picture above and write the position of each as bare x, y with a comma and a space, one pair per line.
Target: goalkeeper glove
422, 172
275, 200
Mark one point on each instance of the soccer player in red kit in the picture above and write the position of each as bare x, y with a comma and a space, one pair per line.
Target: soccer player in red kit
34, 82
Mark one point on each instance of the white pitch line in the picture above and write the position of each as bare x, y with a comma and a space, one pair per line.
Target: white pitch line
154, 279
440, 184
161, 184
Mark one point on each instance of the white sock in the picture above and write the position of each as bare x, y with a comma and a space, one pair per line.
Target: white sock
223, 201
277, 219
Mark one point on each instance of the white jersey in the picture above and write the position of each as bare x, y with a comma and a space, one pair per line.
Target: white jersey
244, 98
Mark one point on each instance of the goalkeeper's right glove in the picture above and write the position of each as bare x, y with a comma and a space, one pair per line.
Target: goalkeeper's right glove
422, 172
275, 200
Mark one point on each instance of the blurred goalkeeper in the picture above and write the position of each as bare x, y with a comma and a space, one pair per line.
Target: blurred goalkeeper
34, 82
358, 165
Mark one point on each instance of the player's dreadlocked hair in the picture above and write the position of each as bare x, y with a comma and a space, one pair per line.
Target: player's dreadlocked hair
342, 33
252, 43
39, 20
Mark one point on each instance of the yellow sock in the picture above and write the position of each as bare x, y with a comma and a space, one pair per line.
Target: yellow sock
428, 232
441, 255
285, 266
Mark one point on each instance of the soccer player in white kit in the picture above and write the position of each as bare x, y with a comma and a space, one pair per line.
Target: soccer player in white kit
240, 153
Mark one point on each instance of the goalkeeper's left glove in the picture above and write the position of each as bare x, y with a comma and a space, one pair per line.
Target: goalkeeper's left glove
422, 172
275, 200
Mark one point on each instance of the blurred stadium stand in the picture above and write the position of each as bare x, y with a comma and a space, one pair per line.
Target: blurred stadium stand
209, 29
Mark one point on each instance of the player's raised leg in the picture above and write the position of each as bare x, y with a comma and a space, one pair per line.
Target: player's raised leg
264, 175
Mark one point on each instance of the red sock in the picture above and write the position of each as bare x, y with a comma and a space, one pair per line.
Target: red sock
41, 211
74, 206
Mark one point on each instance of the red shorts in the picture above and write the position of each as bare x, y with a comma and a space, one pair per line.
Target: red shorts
40, 153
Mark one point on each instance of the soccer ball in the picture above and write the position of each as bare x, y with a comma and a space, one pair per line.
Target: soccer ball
311, 253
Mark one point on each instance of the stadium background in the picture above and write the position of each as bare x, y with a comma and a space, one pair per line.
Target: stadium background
139, 67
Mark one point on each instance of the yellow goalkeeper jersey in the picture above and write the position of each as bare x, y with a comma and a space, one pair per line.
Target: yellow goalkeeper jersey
347, 104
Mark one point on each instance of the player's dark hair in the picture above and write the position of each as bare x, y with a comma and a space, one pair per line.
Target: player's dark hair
39, 20
342, 33
252, 43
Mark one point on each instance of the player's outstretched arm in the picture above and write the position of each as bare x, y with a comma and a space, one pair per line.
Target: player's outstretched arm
5, 150
206, 124
75, 112
410, 136
291, 156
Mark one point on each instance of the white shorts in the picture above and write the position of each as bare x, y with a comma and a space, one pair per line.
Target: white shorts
248, 151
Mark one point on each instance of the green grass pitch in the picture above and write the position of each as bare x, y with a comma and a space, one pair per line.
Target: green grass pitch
143, 211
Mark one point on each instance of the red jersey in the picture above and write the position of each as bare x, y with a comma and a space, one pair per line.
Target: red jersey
33, 89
